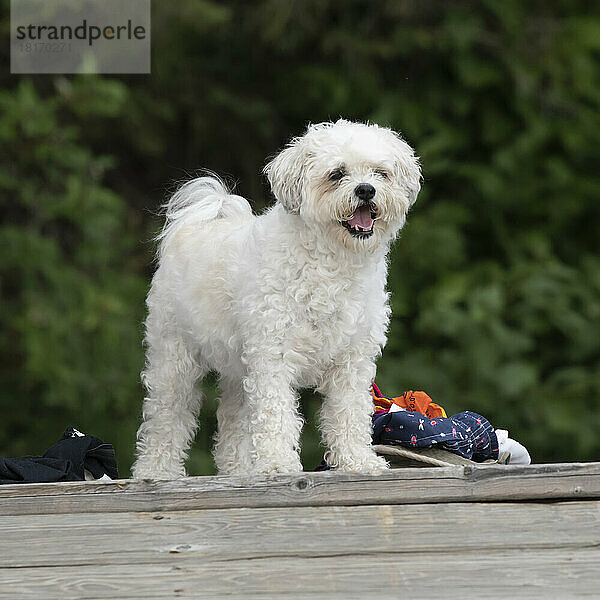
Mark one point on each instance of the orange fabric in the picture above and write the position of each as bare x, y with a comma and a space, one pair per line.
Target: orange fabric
414, 401
419, 402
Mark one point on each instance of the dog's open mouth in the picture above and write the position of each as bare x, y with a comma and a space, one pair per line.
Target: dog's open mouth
360, 224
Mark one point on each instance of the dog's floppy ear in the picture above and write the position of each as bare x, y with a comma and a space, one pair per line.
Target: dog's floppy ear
286, 174
408, 168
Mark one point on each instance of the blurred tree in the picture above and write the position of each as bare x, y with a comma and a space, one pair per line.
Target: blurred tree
72, 291
495, 280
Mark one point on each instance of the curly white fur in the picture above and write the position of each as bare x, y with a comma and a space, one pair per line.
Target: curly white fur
273, 303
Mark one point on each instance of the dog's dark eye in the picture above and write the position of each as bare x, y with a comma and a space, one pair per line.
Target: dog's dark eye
337, 174
382, 173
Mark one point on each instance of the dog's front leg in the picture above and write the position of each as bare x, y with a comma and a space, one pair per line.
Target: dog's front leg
345, 417
275, 423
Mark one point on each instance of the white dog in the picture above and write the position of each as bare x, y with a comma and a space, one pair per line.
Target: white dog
289, 299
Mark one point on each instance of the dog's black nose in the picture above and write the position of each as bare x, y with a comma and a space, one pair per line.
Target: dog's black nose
364, 191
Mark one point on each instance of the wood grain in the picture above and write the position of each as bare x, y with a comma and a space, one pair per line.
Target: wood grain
473, 532
400, 486
516, 574
304, 532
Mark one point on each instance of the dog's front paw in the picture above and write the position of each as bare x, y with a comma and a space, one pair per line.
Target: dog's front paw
363, 462
274, 465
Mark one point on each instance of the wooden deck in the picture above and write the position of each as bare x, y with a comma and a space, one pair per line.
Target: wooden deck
483, 532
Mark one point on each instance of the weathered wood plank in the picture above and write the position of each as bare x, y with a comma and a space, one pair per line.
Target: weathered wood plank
545, 573
401, 486
398, 531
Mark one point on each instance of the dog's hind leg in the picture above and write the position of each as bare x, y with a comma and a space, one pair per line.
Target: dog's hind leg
233, 443
172, 403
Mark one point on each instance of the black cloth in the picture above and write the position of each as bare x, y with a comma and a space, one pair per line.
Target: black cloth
67, 460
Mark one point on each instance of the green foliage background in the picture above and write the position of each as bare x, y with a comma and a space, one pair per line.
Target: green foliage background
495, 280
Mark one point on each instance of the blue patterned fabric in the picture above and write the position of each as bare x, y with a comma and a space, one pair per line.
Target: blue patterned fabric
468, 434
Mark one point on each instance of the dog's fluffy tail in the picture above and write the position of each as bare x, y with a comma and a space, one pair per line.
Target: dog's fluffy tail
200, 200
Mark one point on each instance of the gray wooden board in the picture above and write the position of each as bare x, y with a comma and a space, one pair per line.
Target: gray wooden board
400, 486
466, 550
519, 550
253, 533
514, 574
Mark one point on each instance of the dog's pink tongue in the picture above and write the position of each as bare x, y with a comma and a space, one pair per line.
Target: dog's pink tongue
361, 218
